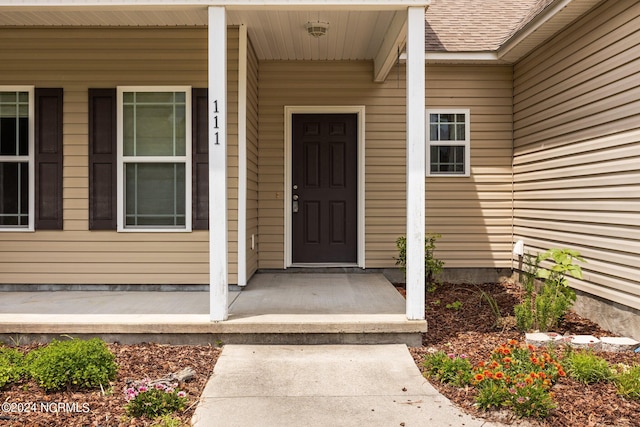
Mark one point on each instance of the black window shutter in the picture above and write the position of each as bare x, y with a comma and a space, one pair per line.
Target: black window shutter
200, 159
102, 159
48, 158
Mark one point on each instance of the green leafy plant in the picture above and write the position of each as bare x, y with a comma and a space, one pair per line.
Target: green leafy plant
153, 401
456, 305
493, 305
627, 381
543, 309
72, 364
586, 367
11, 365
449, 368
432, 265
168, 421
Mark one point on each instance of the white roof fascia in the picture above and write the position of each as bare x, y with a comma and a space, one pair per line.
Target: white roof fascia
532, 26
458, 57
547, 23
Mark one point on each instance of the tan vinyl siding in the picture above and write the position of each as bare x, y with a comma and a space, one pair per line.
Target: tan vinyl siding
577, 148
77, 59
252, 160
473, 214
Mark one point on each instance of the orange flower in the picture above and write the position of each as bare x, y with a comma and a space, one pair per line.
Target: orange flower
530, 347
494, 365
479, 377
533, 375
542, 375
507, 360
561, 373
481, 365
513, 342
488, 374
528, 381
534, 360
499, 375
506, 351
546, 383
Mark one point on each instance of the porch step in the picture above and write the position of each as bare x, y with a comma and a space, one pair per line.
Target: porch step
198, 329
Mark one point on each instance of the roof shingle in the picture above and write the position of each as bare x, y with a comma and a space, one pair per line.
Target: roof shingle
476, 25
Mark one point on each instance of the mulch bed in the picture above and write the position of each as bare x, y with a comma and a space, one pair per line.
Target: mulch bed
95, 408
471, 330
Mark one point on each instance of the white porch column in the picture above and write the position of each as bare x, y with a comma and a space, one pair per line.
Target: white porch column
217, 65
416, 163
242, 156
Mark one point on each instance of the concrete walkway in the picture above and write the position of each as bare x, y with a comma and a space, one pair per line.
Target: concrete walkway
343, 385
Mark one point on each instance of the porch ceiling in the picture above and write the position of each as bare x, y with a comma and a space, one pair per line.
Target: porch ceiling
275, 33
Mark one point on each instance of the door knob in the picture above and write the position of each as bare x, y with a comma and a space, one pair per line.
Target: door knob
295, 197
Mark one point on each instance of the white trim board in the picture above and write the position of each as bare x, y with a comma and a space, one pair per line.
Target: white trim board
289, 111
242, 156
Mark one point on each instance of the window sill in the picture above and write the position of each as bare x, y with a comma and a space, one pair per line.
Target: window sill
17, 230
154, 230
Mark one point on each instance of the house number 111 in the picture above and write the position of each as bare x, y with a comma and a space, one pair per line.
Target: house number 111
215, 121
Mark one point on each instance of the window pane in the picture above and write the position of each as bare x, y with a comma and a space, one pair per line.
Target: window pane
8, 136
447, 118
460, 134
447, 159
14, 202
154, 97
154, 124
433, 132
155, 194
14, 123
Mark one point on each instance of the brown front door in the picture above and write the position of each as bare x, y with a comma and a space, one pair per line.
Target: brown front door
325, 188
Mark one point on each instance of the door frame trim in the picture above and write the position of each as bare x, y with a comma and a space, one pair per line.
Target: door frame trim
289, 111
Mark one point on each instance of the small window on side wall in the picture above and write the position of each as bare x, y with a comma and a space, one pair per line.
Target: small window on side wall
449, 142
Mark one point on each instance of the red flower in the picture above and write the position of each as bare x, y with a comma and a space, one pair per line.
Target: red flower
479, 377
499, 375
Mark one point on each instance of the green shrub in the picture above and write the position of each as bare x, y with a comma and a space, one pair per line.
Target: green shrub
628, 382
449, 368
586, 367
153, 401
432, 265
11, 365
72, 364
543, 310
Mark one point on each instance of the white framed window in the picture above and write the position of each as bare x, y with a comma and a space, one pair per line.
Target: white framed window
154, 158
449, 142
17, 149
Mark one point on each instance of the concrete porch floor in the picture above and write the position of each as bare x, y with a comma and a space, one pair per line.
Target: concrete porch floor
274, 308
